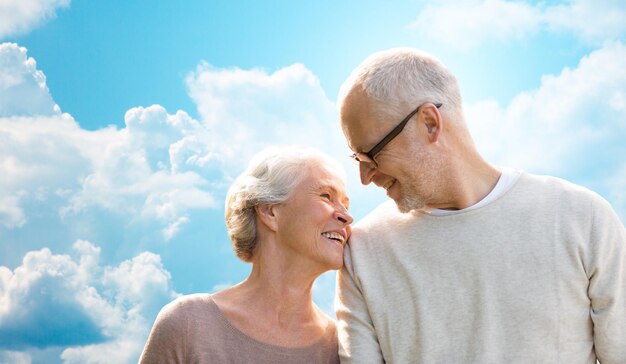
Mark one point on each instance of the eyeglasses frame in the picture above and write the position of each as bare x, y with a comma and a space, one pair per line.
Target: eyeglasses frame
357, 156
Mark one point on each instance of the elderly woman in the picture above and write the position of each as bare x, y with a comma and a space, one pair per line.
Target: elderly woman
287, 215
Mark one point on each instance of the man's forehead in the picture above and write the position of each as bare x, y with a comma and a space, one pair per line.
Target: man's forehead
358, 121
355, 103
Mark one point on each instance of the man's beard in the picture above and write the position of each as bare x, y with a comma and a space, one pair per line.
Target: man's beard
409, 201
415, 193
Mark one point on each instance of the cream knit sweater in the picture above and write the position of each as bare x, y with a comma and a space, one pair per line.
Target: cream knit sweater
536, 276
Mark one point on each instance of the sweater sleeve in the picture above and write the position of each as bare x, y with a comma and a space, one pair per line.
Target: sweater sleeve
168, 338
358, 342
607, 284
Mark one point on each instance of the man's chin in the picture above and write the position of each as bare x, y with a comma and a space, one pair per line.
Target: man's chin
406, 206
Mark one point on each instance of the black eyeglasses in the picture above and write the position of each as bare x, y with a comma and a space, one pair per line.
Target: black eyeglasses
368, 157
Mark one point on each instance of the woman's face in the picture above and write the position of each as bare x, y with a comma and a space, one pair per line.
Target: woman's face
315, 224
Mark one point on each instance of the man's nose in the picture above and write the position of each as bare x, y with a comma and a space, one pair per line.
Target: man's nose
367, 172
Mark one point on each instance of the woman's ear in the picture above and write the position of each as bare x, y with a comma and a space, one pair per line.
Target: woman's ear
267, 215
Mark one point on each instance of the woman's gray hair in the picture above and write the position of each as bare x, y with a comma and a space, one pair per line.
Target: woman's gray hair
401, 78
270, 178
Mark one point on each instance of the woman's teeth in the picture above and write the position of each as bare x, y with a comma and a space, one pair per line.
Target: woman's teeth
334, 236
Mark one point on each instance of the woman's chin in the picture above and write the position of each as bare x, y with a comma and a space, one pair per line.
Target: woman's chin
336, 264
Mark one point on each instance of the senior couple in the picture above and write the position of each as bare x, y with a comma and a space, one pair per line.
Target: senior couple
468, 263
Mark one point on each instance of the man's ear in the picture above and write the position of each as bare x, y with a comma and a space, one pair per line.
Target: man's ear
267, 215
433, 121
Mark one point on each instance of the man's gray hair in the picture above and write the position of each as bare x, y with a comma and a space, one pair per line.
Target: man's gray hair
400, 79
270, 178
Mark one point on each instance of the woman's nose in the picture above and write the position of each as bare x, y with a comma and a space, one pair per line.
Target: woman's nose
344, 216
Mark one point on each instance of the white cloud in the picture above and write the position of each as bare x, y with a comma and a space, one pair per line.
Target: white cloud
173, 229
14, 357
23, 89
40, 304
21, 16
160, 166
248, 109
467, 24
136, 290
470, 23
573, 122
593, 20
48, 160
11, 214
102, 313
133, 173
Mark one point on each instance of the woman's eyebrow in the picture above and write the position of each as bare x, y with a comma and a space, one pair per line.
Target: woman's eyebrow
335, 190
346, 201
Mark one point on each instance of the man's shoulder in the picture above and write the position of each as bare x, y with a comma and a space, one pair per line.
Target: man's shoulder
386, 211
545, 184
383, 220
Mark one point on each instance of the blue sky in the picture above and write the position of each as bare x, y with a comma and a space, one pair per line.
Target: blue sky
123, 123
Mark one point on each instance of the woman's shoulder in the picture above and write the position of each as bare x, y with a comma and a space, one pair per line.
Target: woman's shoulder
191, 300
184, 306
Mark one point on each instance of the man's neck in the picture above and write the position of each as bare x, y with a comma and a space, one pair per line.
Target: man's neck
467, 183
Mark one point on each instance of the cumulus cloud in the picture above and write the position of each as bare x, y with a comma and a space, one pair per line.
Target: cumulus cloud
159, 166
249, 109
23, 89
40, 306
150, 169
54, 162
36, 154
11, 213
592, 20
133, 173
14, 357
102, 313
468, 24
21, 16
573, 122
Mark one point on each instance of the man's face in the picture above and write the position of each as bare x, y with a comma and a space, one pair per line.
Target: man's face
406, 167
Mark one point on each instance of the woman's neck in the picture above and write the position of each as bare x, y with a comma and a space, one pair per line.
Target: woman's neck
279, 312
274, 304
281, 299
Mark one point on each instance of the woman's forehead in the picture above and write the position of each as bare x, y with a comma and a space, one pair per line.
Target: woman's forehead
319, 177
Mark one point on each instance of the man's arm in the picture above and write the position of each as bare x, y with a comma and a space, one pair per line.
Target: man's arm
607, 284
358, 342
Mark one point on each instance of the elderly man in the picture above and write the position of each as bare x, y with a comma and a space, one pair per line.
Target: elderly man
469, 263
